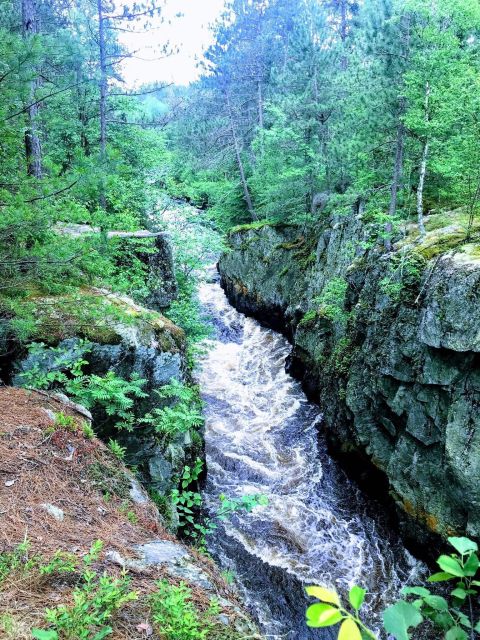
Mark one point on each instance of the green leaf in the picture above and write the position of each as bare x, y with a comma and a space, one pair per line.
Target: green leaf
463, 619
416, 591
322, 615
323, 594
436, 602
459, 593
349, 630
456, 633
44, 634
477, 627
450, 565
441, 576
398, 619
471, 565
463, 545
356, 596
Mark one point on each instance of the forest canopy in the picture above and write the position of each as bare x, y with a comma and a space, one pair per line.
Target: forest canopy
303, 108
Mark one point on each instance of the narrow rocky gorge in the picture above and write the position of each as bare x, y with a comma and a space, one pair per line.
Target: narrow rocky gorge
387, 343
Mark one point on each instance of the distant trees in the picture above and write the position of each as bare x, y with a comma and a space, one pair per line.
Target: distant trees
375, 100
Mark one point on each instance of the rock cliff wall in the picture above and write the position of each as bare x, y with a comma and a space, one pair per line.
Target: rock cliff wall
388, 344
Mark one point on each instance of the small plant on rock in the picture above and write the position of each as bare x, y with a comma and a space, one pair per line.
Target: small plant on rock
63, 421
117, 449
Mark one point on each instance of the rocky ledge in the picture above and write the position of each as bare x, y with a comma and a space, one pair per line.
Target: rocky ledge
388, 343
113, 333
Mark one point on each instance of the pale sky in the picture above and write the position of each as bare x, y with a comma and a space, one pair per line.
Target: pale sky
189, 33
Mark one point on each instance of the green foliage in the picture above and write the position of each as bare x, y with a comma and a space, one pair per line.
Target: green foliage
183, 416
111, 392
451, 614
117, 449
176, 617
16, 560
62, 562
94, 604
331, 301
329, 611
189, 502
52, 365
310, 316
63, 421
403, 277
56, 366
95, 600
88, 431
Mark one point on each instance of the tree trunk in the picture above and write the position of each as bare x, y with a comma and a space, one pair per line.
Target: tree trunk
260, 114
421, 182
423, 167
103, 100
33, 149
343, 31
236, 145
397, 176
397, 169
343, 20
260, 104
82, 112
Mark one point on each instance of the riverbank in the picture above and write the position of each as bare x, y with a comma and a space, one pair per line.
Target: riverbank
78, 527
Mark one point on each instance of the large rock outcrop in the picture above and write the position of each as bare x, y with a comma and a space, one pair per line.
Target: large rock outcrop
388, 344
112, 333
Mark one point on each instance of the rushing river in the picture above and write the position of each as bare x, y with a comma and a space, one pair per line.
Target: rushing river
262, 436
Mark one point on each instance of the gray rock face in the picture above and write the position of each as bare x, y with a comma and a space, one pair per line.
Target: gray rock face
394, 362
161, 277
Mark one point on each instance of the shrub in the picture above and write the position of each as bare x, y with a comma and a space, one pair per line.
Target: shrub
175, 615
94, 603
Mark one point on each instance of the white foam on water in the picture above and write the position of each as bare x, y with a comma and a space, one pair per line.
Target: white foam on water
262, 437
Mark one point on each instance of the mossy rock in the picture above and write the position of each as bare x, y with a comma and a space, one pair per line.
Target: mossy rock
102, 318
257, 225
439, 242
